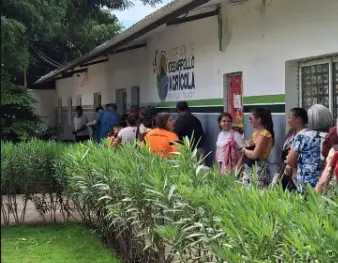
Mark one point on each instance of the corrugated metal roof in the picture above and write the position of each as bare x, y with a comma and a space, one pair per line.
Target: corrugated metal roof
150, 22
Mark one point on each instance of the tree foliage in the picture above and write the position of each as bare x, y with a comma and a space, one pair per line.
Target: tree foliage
38, 36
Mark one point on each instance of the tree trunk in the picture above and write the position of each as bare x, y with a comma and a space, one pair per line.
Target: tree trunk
25, 78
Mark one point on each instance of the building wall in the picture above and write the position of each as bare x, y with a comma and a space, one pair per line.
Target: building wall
84, 84
200, 39
263, 40
64, 89
95, 79
265, 43
126, 70
44, 105
136, 68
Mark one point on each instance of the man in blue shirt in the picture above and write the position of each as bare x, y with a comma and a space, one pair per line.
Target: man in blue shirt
106, 121
96, 129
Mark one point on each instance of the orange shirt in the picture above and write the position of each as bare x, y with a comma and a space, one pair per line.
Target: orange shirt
161, 141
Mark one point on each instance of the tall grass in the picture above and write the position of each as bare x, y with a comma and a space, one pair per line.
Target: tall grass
156, 210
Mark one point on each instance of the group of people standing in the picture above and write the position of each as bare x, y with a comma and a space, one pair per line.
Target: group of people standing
165, 133
160, 130
307, 154
102, 125
304, 154
306, 150
232, 152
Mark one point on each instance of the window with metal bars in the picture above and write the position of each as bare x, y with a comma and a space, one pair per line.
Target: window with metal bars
335, 88
319, 84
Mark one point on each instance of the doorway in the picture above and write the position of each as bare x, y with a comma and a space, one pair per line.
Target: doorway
97, 100
233, 97
135, 96
121, 101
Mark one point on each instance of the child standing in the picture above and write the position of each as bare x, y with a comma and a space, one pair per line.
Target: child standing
113, 135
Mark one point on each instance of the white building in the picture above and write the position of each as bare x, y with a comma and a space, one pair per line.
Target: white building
217, 55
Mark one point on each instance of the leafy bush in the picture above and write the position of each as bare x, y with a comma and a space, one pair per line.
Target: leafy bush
29, 169
157, 210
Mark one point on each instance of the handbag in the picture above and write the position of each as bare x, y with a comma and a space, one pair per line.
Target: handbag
249, 162
287, 182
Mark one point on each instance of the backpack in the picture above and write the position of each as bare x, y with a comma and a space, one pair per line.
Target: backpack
231, 154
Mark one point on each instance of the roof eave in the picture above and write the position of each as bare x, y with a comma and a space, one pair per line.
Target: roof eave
149, 23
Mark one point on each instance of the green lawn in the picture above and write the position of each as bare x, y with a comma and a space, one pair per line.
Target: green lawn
70, 243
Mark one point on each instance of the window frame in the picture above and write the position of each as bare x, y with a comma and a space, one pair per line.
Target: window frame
78, 100
97, 101
70, 110
335, 84
329, 60
59, 111
137, 90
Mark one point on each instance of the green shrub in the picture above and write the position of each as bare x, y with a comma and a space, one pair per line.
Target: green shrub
157, 210
28, 169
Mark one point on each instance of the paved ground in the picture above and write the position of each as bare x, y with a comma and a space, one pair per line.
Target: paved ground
32, 216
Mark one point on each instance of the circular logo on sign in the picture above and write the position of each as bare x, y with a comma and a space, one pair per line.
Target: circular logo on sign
162, 76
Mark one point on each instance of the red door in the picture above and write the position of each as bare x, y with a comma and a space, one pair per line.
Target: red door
236, 100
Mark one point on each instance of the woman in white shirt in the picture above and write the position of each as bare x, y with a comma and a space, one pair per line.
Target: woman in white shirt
227, 139
128, 133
